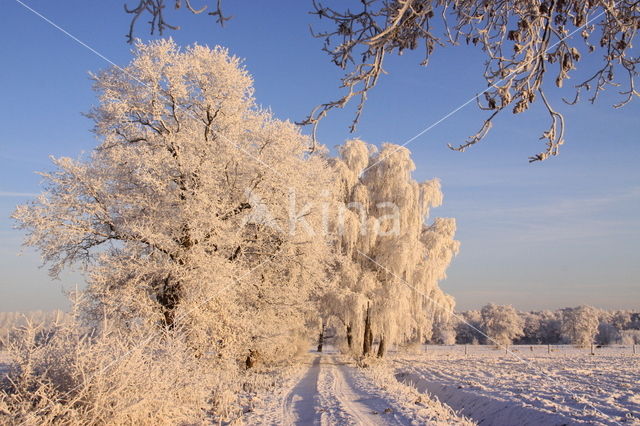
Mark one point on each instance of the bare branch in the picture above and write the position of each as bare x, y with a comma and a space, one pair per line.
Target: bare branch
155, 8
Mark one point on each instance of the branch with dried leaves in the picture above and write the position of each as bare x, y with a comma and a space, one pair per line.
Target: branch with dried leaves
523, 40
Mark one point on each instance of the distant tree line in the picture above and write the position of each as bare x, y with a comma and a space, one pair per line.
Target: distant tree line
503, 324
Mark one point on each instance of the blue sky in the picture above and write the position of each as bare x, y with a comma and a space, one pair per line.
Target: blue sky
546, 235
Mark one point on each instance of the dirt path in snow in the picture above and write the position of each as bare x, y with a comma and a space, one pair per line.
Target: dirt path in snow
328, 394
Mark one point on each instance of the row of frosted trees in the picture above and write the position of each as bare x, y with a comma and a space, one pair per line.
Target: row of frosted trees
582, 325
199, 209
214, 239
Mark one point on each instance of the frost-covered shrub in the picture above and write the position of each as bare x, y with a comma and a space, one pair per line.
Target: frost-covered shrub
108, 377
10, 321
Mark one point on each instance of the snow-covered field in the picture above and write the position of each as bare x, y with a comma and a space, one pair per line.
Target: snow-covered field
529, 385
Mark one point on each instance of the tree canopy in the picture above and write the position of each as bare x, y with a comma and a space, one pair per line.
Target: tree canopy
164, 213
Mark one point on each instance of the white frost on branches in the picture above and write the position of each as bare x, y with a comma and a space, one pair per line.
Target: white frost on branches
580, 325
501, 323
158, 212
391, 260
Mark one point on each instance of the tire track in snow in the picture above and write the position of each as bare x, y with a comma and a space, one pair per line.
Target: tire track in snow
333, 412
301, 405
365, 406
332, 392
350, 399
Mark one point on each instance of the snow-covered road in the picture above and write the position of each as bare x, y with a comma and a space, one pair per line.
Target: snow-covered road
328, 394
344, 402
331, 390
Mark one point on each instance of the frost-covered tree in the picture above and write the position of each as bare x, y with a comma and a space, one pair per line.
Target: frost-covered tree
169, 213
540, 327
531, 328
550, 327
546, 327
621, 320
467, 328
612, 324
607, 334
444, 329
501, 323
580, 325
630, 337
391, 259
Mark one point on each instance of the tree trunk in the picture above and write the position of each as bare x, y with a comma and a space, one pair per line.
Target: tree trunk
170, 294
252, 359
349, 337
169, 297
368, 336
321, 337
382, 347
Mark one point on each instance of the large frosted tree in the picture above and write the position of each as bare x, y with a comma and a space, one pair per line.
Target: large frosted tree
185, 214
391, 259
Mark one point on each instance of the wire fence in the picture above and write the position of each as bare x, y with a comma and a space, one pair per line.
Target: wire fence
525, 351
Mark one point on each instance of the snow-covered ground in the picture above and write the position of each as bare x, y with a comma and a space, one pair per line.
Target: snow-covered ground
529, 385
440, 385
332, 390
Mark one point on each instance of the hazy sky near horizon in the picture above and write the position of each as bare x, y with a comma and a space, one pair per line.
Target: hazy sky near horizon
560, 233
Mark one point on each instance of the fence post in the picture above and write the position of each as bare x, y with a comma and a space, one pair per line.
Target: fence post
549, 348
506, 349
465, 349
592, 353
634, 348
